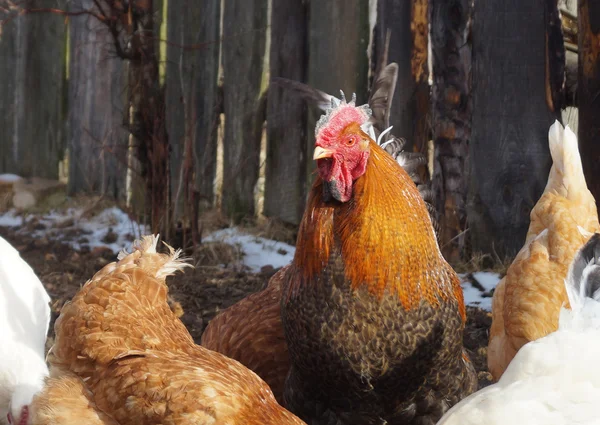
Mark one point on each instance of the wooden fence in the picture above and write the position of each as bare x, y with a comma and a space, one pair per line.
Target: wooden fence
219, 56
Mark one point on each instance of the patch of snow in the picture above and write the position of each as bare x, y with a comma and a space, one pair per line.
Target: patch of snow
91, 231
11, 219
474, 294
9, 178
258, 251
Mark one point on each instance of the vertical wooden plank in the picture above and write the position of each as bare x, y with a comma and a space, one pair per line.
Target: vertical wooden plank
451, 118
338, 60
32, 104
509, 154
192, 99
96, 138
587, 92
245, 28
407, 25
285, 180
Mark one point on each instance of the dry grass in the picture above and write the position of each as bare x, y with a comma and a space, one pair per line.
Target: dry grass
210, 254
484, 262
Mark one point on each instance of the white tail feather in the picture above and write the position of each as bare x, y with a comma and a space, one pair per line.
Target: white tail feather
566, 175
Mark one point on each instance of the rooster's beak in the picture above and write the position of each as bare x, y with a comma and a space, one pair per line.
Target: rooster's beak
322, 153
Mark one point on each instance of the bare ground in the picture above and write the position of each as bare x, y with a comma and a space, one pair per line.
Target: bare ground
201, 292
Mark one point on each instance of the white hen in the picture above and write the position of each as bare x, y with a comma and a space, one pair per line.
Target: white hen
554, 380
24, 322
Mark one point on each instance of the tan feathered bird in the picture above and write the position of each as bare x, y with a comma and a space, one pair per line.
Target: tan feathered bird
120, 336
528, 299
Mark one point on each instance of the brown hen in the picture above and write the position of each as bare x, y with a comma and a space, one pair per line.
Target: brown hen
119, 335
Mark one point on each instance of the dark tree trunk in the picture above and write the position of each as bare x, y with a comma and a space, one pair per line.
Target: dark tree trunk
285, 182
406, 22
513, 108
588, 92
451, 50
245, 27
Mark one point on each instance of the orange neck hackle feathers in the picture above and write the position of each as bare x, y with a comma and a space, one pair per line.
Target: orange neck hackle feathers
386, 238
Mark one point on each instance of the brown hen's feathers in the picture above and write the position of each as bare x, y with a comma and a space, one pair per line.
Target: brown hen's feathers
120, 336
382, 185
250, 332
67, 401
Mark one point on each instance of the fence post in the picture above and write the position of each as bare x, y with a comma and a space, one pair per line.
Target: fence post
97, 82
509, 155
32, 112
245, 64
285, 180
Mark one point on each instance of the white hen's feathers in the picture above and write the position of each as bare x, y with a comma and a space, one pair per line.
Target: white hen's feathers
553, 380
24, 322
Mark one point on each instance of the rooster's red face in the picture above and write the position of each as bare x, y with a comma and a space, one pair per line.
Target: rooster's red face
342, 150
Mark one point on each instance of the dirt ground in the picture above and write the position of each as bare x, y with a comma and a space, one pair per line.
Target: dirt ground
201, 292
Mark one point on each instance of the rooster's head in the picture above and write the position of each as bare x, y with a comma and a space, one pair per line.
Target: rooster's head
342, 147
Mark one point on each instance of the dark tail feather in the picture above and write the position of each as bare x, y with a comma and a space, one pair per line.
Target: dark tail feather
382, 94
316, 98
584, 273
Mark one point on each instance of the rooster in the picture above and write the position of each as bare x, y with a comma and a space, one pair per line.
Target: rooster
528, 299
24, 323
555, 379
250, 331
120, 337
372, 313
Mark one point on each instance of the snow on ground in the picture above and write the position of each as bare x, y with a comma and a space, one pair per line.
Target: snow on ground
110, 228
478, 287
11, 219
258, 251
9, 178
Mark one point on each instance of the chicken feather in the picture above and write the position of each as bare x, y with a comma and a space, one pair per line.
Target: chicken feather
67, 401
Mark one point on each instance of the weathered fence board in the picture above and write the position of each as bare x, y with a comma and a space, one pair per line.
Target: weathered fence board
338, 42
245, 61
97, 139
587, 92
193, 29
285, 182
406, 22
32, 48
451, 118
509, 155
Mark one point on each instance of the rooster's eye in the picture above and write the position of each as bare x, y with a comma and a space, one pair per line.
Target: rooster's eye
351, 141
